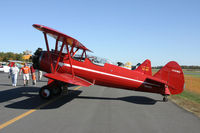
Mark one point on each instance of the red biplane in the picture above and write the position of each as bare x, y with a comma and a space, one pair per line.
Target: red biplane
64, 66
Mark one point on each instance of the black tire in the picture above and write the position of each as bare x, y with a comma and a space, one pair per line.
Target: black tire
45, 92
165, 99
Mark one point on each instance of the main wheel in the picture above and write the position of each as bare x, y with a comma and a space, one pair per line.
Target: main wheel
45, 92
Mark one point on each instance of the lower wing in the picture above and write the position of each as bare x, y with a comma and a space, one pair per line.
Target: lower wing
68, 78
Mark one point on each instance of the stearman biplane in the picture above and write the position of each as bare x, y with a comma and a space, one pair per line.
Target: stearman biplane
63, 66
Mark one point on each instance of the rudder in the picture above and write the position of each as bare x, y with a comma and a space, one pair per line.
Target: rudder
173, 75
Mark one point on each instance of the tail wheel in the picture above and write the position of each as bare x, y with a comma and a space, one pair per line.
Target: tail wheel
165, 99
45, 92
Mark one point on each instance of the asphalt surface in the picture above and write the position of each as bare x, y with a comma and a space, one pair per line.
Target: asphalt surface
93, 109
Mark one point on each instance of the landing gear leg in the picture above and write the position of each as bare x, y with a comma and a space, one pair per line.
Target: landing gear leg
53, 89
166, 93
60, 88
64, 89
56, 90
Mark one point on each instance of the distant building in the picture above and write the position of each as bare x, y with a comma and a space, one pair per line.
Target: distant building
26, 57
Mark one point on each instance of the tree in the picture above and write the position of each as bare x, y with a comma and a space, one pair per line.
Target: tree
19, 57
10, 56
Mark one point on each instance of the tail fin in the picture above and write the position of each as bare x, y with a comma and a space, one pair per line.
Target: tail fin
145, 67
173, 75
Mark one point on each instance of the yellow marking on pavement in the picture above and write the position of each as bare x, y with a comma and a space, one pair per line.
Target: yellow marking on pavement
29, 112
77, 87
16, 118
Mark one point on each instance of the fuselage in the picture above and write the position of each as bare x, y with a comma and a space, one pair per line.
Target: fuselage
106, 75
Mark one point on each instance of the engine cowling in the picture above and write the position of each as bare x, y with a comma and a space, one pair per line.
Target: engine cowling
36, 58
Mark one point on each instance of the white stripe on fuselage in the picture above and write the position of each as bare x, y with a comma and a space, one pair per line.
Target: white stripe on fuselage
95, 71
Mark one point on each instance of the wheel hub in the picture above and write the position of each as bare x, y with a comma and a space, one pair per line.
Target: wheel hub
46, 93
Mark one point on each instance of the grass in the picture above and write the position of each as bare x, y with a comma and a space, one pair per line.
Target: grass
191, 71
192, 84
185, 71
192, 75
190, 96
189, 99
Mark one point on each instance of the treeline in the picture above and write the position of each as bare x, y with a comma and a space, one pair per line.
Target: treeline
4, 57
183, 67
190, 67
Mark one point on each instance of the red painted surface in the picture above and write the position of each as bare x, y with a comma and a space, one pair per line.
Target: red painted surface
85, 73
173, 74
65, 77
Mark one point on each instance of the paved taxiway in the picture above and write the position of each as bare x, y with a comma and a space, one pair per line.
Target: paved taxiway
89, 110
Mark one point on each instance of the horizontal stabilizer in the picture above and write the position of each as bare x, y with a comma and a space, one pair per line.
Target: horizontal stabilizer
68, 78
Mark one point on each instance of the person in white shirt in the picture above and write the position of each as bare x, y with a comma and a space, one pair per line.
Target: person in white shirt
39, 75
14, 73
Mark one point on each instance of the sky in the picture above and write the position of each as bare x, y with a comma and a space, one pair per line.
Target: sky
120, 30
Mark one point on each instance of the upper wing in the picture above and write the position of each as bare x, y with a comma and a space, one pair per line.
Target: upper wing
68, 78
61, 36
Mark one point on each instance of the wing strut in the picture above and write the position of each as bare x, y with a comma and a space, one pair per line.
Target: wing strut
59, 56
47, 45
56, 47
70, 60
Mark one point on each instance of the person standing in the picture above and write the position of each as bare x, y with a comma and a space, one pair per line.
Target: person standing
26, 71
33, 75
14, 73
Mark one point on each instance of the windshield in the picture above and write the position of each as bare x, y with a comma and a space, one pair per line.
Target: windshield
99, 61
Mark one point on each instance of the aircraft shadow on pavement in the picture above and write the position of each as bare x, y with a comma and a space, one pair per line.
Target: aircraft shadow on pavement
34, 101
17, 92
4, 84
132, 99
31, 98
